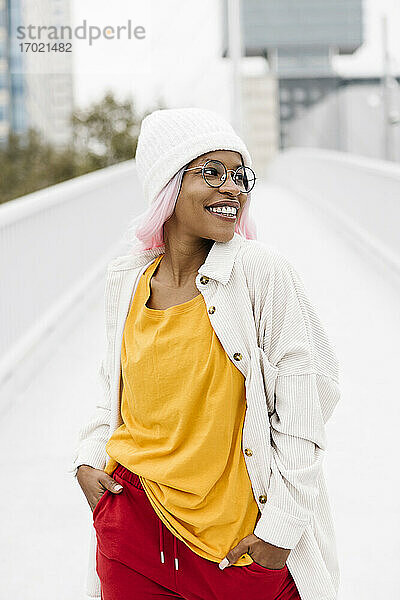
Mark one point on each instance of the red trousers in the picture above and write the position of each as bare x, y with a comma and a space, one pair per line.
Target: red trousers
138, 558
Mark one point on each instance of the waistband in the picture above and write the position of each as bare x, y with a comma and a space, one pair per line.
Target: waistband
127, 475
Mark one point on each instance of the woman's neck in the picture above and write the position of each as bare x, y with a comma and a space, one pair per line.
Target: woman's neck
181, 261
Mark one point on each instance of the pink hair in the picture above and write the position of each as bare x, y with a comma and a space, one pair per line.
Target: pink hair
150, 233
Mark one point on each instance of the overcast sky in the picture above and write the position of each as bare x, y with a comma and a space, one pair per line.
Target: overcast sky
179, 59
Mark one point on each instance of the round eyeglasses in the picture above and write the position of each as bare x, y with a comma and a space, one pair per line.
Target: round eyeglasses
215, 173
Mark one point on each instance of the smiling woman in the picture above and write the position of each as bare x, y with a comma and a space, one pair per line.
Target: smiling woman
216, 380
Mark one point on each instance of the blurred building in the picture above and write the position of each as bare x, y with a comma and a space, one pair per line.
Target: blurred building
260, 115
350, 119
35, 87
299, 38
12, 92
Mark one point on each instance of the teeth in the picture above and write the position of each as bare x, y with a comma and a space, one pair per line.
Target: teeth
224, 210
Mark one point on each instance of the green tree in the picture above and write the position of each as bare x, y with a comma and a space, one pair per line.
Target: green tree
106, 133
103, 134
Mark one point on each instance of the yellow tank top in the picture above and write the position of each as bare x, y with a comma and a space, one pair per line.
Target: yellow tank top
182, 407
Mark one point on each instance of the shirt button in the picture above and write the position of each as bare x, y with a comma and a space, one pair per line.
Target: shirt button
204, 279
237, 356
211, 310
262, 498
248, 452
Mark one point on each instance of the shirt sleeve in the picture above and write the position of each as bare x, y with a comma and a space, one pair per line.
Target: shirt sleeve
93, 435
306, 393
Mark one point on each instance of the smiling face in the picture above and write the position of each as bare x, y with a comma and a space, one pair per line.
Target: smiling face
191, 215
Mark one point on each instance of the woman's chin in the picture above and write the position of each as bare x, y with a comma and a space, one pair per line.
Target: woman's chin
223, 236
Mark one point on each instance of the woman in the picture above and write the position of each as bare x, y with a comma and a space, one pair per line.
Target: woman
218, 379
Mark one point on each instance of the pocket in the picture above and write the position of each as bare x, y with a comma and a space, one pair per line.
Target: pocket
260, 569
99, 501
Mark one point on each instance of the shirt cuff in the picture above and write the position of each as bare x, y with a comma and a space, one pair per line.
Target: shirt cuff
90, 453
279, 528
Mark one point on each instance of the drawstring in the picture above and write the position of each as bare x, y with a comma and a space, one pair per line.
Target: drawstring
161, 541
175, 554
162, 546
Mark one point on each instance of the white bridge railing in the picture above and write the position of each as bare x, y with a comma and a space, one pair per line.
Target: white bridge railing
55, 244
361, 195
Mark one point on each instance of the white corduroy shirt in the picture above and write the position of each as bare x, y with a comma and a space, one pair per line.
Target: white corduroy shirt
259, 309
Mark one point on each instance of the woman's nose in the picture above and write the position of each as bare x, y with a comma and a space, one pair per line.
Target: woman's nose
230, 185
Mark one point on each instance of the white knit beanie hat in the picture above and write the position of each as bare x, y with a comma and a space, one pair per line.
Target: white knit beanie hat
172, 137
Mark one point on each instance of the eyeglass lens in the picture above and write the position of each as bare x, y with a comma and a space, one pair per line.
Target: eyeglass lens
215, 174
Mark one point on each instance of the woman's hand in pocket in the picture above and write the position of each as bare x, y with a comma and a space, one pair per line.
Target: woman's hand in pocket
263, 553
94, 482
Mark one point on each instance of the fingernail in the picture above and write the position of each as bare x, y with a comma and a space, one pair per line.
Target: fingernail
224, 563
118, 487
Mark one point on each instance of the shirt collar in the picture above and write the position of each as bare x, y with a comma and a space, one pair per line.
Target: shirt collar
218, 264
